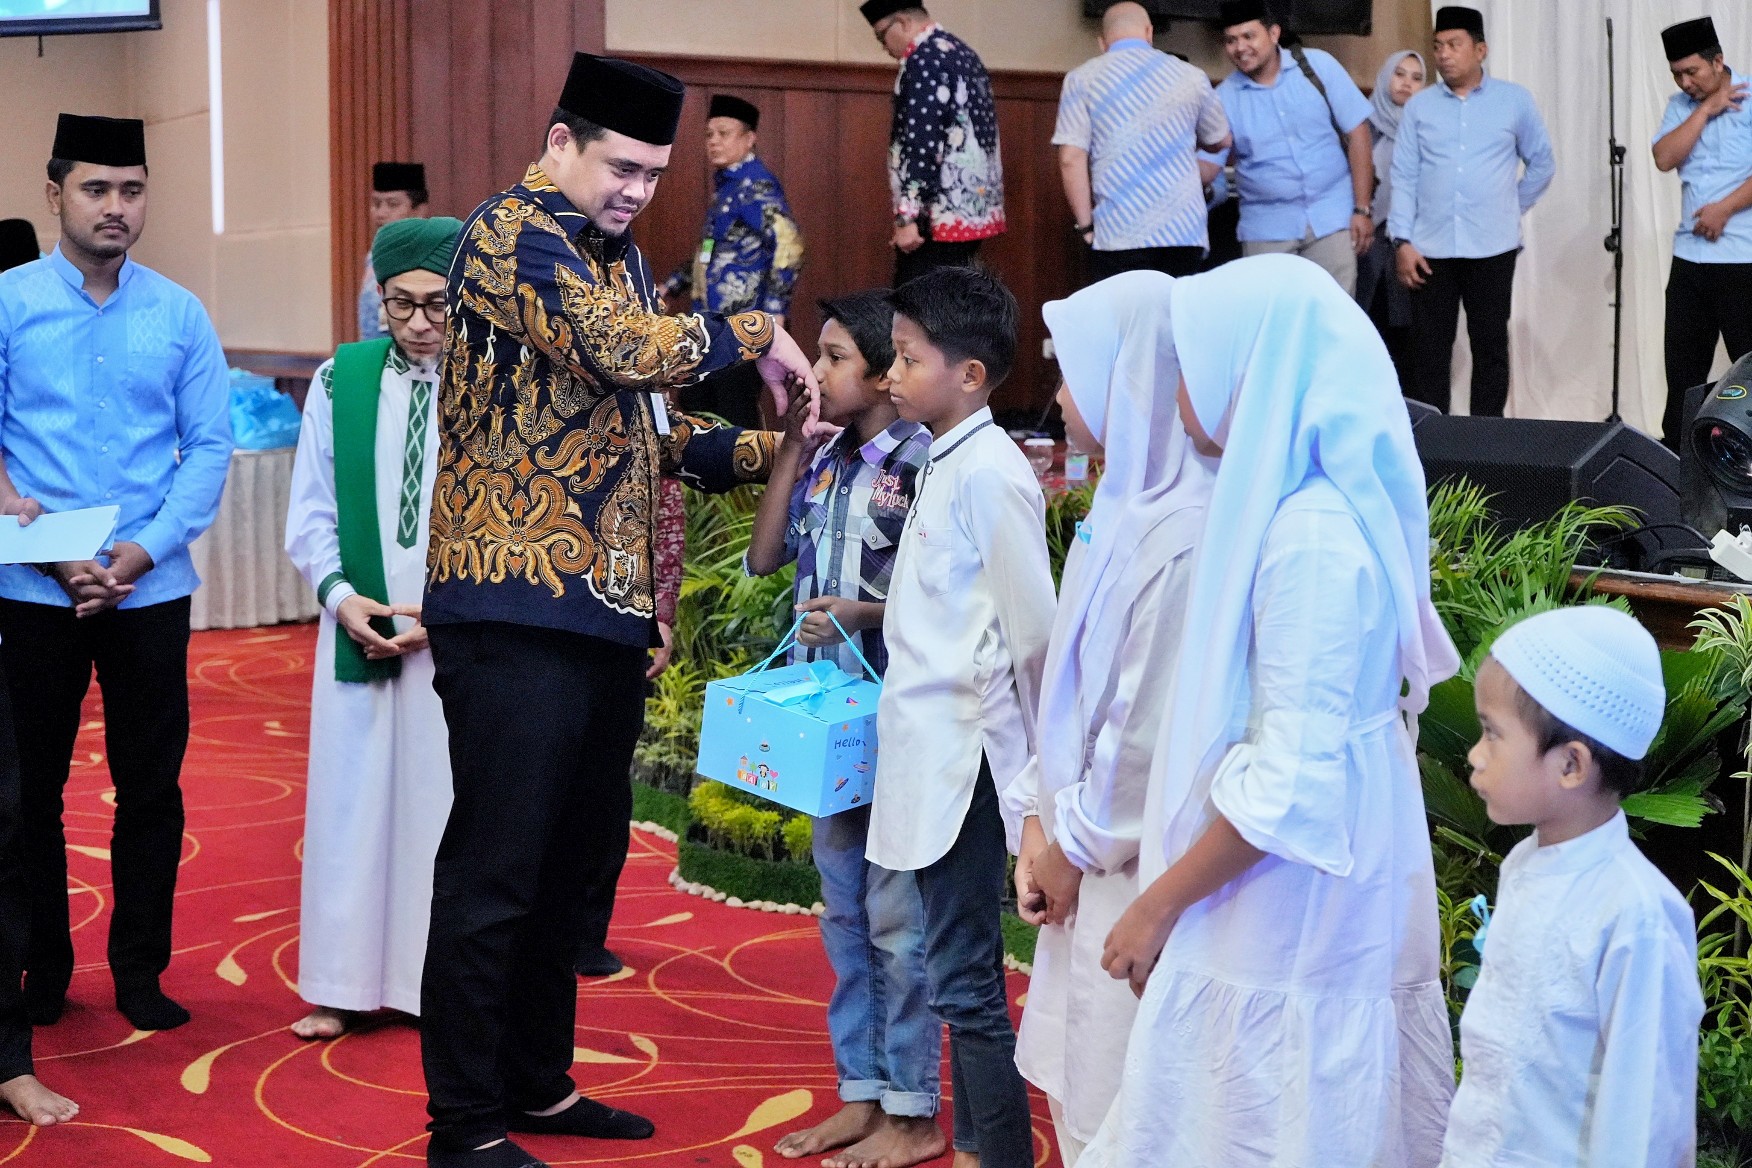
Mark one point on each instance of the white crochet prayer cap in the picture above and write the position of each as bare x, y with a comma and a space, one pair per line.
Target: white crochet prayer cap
1593, 668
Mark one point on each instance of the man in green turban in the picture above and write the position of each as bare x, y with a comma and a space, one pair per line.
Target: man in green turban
379, 784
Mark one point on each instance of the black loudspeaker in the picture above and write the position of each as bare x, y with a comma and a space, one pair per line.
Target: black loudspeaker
1420, 412
1533, 467
1304, 16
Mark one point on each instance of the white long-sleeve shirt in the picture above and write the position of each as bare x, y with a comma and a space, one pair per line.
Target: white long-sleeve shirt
1580, 1039
970, 608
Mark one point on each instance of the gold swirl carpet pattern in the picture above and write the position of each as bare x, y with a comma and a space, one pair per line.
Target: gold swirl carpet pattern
716, 1030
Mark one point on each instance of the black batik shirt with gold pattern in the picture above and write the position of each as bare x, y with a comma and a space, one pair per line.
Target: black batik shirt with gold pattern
544, 509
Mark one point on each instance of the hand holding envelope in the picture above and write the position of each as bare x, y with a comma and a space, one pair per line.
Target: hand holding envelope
67, 544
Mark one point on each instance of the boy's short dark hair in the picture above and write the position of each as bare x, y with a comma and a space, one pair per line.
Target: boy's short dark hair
1622, 776
869, 318
967, 313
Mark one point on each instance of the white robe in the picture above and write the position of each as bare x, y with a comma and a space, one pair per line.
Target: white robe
379, 787
1296, 1017
1580, 1038
1072, 1040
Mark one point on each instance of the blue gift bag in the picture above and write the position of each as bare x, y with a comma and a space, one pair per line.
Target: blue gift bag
262, 418
801, 735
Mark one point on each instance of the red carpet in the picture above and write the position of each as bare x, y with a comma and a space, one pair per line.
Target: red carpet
718, 1032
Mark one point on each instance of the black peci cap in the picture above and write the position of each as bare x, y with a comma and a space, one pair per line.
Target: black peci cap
629, 99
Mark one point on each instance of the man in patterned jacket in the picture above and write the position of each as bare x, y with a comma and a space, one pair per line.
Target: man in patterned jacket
539, 609
748, 257
943, 165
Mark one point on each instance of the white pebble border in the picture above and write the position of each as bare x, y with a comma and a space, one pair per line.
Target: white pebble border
695, 888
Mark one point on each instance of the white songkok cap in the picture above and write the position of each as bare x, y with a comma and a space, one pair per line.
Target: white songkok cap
1593, 668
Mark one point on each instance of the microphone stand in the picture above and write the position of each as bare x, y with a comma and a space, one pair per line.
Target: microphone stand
1615, 237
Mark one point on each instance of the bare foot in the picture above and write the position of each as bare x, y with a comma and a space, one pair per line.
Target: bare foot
851, 1123
324, 1023
900, 1142
36, 1103
966, 1160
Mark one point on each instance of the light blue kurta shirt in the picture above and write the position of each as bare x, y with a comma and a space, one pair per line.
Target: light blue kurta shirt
1291, 170
1458, 188
1720, 162
127, 404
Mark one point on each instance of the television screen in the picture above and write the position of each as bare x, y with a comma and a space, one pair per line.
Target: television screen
1305, 16
57, 17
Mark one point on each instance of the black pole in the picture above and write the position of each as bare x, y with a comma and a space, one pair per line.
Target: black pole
1615, 238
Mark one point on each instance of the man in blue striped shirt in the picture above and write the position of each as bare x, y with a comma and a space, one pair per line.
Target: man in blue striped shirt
1459, 192
1129, 123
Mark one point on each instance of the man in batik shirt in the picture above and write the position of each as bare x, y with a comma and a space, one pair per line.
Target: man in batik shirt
539, 609
748, 257
943, 164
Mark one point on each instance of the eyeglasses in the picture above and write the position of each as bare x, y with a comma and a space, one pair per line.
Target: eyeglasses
401, 308
881, 27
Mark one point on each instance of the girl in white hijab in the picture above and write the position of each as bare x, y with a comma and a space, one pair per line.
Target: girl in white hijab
1286, 943
1079, 805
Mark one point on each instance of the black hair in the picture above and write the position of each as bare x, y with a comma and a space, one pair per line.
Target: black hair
967, 313
869, 318
583, 130
60, 168
1622, 776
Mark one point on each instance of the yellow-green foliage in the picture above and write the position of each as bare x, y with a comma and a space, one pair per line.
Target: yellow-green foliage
747, 829
799, 833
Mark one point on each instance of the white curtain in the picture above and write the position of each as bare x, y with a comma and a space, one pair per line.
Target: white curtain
1561, 330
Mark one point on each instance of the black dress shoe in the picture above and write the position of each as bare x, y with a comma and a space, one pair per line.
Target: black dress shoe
586, 1117
597, 961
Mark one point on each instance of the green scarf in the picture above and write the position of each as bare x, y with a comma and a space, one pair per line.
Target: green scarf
357, 382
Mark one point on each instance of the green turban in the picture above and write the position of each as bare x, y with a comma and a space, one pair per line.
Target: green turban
407, 244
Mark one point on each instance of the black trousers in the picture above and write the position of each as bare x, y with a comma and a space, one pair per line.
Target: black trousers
141, 656
1485, 287
542, 727
732, 394
931, 255
15, 1057
1704, 301
1172, 261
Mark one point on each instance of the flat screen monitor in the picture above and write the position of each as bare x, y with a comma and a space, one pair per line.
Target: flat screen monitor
59, 17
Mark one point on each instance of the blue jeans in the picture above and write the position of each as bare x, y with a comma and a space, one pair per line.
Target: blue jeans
964, 961
887, 1045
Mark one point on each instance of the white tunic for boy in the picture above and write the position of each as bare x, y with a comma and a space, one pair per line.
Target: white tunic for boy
1580, 1038
379, 789
1296, 1018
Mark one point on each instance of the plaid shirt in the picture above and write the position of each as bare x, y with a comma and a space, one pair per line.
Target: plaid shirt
846, 516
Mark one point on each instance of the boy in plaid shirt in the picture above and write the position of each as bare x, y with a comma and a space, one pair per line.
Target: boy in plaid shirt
838, 513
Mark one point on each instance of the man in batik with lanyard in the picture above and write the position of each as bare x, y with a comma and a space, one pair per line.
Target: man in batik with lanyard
749, 254
379, 786
553, 432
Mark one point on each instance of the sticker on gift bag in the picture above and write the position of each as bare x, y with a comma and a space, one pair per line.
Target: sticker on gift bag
803, 735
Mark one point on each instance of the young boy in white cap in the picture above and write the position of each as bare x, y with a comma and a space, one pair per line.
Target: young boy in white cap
1579, 1041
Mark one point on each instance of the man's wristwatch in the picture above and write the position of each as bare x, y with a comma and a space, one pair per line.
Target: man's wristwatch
1359, 211
1082, 228
901, 221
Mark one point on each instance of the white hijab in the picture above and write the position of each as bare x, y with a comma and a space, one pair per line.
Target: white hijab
1288, 373
1115, 347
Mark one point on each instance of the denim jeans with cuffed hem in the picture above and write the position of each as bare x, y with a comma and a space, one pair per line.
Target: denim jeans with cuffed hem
964, 961
887, 1045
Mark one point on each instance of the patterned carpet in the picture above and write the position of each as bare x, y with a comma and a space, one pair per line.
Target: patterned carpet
716, 1031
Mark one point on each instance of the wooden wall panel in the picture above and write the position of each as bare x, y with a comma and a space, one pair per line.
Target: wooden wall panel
466, 86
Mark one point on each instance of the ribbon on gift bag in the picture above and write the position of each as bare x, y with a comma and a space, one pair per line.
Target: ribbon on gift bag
790, 638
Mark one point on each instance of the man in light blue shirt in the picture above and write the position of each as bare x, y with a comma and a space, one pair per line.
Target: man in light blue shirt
398, 191
1455, 217
113, 392
1706, 135
1129, 123
1303, 155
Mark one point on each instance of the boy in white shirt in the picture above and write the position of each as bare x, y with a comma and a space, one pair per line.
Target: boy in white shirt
1579, 1041
970, 609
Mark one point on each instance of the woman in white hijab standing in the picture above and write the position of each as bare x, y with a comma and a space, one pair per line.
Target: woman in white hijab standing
1286, 941
1079, 806
1383, 297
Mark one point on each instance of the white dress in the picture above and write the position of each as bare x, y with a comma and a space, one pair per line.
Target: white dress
1072, 1040
1580, 1038
1296, 1018
379, 786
